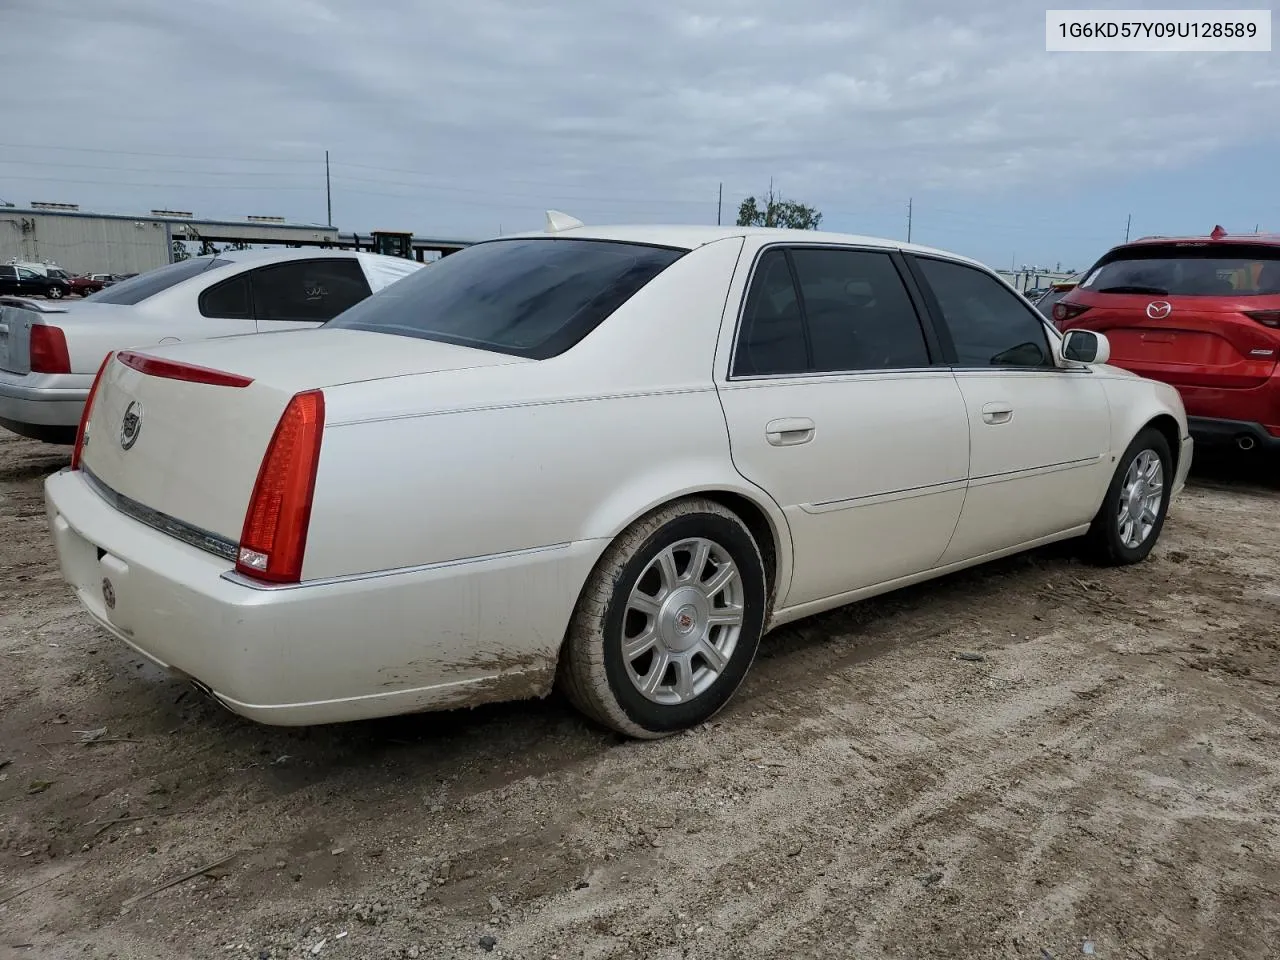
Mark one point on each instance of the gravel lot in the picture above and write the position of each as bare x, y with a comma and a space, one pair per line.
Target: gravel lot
1099, 771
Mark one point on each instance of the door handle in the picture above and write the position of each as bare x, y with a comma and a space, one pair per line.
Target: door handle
997, 413
788, 431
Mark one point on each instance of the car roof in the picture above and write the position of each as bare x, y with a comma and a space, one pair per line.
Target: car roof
1266, 239
305, 253
689, 236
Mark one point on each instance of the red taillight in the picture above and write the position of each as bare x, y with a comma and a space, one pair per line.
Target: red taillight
49, 350
172, 370
275, 527
1062, 311
83, 430
1268, 318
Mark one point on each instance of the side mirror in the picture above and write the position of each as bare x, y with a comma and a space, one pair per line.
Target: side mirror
1085, 346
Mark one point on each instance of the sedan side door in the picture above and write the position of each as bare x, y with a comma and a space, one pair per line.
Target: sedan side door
1040, 434
837, 404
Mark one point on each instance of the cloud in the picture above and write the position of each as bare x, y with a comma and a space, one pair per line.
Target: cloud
462, 114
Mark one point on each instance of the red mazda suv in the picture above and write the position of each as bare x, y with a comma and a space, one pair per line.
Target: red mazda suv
1200, 313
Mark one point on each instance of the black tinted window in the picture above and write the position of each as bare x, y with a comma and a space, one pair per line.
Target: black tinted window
144, 285
1202, 270
8, 273
772, 337
307, 290
229, 299
990, 325
859, 314
531, 297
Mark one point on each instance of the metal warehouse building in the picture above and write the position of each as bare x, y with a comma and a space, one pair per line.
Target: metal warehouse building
81, 242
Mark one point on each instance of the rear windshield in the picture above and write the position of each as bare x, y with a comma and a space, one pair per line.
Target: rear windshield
531, 297
1169, 270
144, 285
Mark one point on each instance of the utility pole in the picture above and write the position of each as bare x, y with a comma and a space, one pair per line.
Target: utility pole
328, 193
909, 210
720, 203
1126, 228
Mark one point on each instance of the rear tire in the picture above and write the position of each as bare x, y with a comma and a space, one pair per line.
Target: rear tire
1132, 514
659, 644
54, 293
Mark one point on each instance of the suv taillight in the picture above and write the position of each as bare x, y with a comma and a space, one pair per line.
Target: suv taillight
82, 432
1268, 318
275, 526
49, 350
1063, 311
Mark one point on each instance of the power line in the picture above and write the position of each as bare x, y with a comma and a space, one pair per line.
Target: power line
139, 153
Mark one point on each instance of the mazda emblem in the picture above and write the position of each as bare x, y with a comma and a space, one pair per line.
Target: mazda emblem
131, 425
1159, 309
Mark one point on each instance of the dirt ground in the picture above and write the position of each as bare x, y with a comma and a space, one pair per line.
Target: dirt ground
1033, 759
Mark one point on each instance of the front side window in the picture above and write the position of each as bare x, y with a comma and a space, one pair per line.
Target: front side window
310, 290
144, 285
531, 297
990, 325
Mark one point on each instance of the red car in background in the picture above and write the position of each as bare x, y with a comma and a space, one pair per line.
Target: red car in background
1200, 313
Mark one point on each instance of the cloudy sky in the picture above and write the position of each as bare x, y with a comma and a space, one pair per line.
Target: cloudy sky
469, 117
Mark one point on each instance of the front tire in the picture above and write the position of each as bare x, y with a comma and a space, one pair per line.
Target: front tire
668, 623
1133, 512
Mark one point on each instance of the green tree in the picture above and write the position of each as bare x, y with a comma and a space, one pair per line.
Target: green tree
774, 211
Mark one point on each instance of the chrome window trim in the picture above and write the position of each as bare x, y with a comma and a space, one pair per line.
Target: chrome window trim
189, 534
789, 244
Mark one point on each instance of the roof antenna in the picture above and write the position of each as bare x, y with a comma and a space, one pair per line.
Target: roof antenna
557, 221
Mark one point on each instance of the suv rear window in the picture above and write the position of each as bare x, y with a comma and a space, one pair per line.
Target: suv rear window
1199, 270
144, 285
530, 297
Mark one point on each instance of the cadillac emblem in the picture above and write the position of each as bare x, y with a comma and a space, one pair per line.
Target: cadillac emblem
131, 425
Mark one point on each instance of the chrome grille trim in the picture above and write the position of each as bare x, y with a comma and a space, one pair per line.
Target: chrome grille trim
189, 534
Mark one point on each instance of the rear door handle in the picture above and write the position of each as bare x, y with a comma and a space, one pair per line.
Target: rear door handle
789, 431
997, 413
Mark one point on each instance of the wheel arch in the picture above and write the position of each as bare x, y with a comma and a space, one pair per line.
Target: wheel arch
755, 508
1168, 428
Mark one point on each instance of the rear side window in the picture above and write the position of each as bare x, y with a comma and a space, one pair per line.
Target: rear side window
859, 314
309, 290
1188, 270
772, 339
228, 300
990, 325
145, 285
8, 273
852, 313
529, 297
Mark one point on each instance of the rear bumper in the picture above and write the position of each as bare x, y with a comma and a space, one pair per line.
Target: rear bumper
1211, 431
432, 637
40, 404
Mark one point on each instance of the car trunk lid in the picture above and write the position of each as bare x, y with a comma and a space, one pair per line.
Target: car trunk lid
182, 440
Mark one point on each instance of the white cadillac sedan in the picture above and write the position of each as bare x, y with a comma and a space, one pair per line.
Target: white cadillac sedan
48, 353
605, 458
